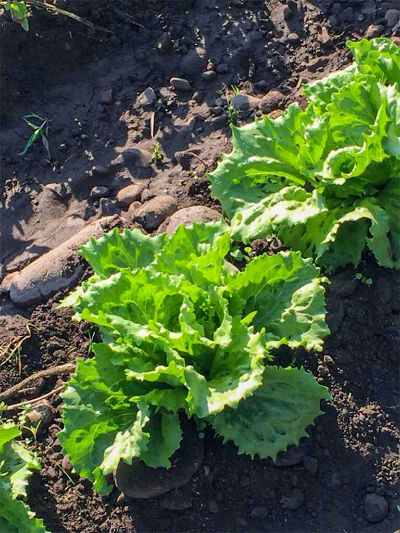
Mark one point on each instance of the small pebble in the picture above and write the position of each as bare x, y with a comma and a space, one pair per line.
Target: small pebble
180, 84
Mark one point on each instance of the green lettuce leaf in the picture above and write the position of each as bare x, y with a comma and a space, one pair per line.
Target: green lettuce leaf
316, 178
277, 414
186, 333
16, 466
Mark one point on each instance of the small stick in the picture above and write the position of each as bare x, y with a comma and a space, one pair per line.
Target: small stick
12, 391
34, 401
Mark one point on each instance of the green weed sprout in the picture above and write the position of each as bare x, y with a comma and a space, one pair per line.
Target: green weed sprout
40, 128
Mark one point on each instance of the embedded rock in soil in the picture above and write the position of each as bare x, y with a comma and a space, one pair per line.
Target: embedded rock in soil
271, 101
392, 17
129, 194
140, 481
147, 98
180, 84
40, 416
154, 212
99, 192
185, 158
259, 513
187, 216
374, 30
245, 101
5, 285
375, 508
56, 270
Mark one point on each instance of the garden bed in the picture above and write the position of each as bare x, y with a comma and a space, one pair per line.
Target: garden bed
88, 85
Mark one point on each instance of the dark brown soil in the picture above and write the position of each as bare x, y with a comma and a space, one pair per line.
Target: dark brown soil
60, 69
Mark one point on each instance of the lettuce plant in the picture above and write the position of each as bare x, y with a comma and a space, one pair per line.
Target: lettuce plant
325, 180
16, 465
185, 332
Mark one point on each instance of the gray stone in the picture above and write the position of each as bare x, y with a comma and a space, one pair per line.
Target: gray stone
187, 216
180, 84
99, 192
40, 416
392, 17
154, 212
55, 270
129, 194
209, 75
107, 96
100, 170
5, 285
141, 481
245, 102
293, 38
375, 508
107, 207
147, 97
164, 42
271, 101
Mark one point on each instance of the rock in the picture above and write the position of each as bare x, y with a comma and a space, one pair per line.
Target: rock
271, 101
55, 270
259, 513
147, 195
187, 216
374, 30
193, 63
310, 464
129, 194
325, 38
175, 501
100, 170
180, 84
209, 75
106, 96
245, 102
346, 15
375, 508
66, 464
317, 63
147, 97
293, 38
5, 285
294, 501
164, 42
185, 158
107, 207
392, 17
293, 456
99, 192
141, 481
40, 416
154, 212
60, 190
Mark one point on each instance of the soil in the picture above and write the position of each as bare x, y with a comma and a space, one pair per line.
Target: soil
87, 84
